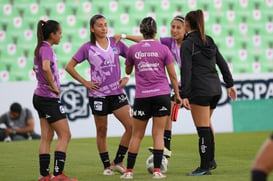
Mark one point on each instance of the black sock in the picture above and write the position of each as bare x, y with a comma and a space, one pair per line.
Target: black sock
157, 158
167, 139
212, 146
131, 160
105, 159
205, 142
120, 154
258, 175
59, 162
44, 160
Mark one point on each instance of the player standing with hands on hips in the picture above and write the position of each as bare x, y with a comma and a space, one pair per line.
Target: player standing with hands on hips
105, 90
46, 100
200, 84
152, 98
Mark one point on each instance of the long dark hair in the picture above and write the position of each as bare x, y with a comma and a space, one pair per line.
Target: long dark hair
196, 21
148, 27
44, 29
92, 22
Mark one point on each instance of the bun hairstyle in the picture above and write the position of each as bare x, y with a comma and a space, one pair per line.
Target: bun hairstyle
92, 22
44, 29
148, 27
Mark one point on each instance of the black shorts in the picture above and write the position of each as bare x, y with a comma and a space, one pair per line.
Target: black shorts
206, 101
158, 106
102, 106
49, 108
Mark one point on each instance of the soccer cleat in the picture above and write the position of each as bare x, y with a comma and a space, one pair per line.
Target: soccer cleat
45, 178
107, 171
212, 165
158, 175
167, 153
127, 175
119, 167
199, 172
62, 177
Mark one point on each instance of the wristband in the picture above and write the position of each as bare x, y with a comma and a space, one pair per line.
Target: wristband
123, 36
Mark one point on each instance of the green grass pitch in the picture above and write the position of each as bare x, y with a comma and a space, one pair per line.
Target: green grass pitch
235, 153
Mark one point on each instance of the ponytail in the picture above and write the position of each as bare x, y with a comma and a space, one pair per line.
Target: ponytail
196, 22
44, 29
40, 37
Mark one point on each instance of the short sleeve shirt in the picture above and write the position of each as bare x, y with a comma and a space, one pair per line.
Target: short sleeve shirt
46, 53
21, 122
150, 59
104, 66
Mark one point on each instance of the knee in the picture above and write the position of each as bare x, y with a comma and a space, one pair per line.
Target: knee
101, 131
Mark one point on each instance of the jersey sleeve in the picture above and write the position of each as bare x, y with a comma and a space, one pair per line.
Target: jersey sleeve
28, 114
123, 49
129, 60
46, 54
169, 57
81, 54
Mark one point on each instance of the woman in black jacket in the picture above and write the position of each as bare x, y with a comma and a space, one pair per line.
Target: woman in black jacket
200, 84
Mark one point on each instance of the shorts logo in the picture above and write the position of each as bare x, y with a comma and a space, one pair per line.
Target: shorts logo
98, 105
74, 98
122, 98
139, 113
62, 109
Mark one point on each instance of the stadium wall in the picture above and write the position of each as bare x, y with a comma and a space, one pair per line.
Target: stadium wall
251, 112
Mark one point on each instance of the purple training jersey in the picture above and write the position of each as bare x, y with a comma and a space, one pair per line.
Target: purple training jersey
172, 45
105, 66
150, 58
46, 53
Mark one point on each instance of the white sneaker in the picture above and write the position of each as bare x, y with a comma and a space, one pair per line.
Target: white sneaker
167, 153
7, 139
158, 175
118, 167
108, 172
127, 175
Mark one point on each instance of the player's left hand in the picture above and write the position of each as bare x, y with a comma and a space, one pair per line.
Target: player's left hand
123, 82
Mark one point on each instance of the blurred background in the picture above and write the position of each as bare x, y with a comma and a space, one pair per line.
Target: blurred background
243, 29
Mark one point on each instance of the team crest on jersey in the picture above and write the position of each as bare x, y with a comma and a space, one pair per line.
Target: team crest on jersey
74, 98
115, 50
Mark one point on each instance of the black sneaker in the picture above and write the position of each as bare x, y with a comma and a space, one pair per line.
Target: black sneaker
199, 172
212, 165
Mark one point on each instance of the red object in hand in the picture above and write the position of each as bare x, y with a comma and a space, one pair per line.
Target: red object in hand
175, 112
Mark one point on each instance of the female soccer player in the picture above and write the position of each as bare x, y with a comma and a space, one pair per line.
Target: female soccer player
201, 87
173, 43
105, 88
46, 100
152, 98
263, 163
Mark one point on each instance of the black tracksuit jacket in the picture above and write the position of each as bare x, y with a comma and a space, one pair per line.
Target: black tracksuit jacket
199, 76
